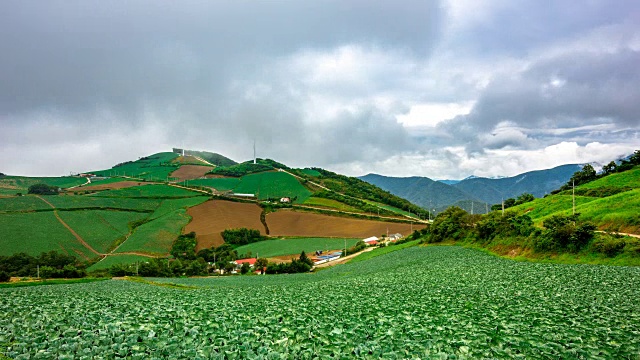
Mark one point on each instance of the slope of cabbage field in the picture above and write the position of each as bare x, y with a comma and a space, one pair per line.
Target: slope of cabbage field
433, 302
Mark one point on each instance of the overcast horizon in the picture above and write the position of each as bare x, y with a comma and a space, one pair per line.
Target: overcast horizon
442, 89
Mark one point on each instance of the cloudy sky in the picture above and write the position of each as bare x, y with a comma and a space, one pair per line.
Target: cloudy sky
444, 89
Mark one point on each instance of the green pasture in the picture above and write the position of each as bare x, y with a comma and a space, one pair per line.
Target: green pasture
101, 202
330, 203
630, 178
154, 167
220, 184
293, 246
23, 203
11, 185
310, 172
149, 191
100, 228
273, 185
34, 233
169, 205
391, 208
156, 236
117, 259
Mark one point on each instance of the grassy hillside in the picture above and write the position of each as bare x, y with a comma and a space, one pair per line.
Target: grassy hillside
149, 191
617, 212
273, 185
11, 185
220, 184
154, 167
156, 237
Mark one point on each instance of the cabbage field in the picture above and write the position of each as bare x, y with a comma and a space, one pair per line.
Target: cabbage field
434, 302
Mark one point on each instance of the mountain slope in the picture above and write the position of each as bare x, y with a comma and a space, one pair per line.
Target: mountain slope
438, 194
538, 183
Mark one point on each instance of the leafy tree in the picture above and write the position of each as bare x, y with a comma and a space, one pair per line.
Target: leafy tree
245, 268
261, 264
524, 198
564, 233
305, 259
241, 236
47, 272
43, 189
610, 168
451, 224
635, 158
4, 276
184, 247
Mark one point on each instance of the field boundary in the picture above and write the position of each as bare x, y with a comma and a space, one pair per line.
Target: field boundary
75, 234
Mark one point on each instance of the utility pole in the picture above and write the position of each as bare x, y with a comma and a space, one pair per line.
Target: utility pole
38, 266
345, 247
502, 206
471, 207
486, 208
574, 196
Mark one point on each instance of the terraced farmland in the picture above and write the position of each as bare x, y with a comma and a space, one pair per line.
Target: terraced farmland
220, 184
149, 191
436, 302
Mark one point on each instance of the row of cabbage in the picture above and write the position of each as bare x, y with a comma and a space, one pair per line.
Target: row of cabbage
419, 302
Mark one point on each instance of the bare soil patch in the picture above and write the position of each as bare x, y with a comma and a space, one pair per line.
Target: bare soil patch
112, 186
210, 218
190, 172
296, 223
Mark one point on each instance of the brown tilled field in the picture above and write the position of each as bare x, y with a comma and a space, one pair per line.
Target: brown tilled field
112, 186
190, 172
296, 223
212, 217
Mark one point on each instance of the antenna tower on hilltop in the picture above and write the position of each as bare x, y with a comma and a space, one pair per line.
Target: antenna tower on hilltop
254, 152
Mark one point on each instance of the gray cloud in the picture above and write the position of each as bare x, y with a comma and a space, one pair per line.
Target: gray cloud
87, 84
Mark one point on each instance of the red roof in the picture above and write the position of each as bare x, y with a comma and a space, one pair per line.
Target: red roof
373, 242
251, 261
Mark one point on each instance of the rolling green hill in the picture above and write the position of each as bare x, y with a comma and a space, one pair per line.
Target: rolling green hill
605, 208
11, 185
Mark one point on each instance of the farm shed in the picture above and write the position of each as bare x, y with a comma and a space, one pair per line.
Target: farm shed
371, 239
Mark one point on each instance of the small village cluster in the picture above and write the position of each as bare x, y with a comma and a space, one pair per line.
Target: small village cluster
320, 257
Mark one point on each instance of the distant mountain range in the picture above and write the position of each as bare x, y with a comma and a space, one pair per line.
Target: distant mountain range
480, 192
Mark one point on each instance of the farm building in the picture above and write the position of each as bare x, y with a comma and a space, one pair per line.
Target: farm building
394, 237
251, 262
285, 200
243, 195
370, 239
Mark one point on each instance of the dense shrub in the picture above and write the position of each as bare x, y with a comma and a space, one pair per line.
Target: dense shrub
43, 189
609, 245
241, 236
22, 264
4, 277
301, 265
451, 224
184, 247
564, 233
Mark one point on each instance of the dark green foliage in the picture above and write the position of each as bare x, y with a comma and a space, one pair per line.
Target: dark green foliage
359, 246
356, 203
361, 189
610, 245
220, 256
564, 233
241, 236
610, 168
604, 191
22, 264
300, 265
159, 267
241, 169
510, 202
417, 234
4, 276
184, 247
509, 225
451, 224
43, 189
261, 264
245, 268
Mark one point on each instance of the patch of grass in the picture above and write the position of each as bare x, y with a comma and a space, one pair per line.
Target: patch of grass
149, 191
273, 185
100, 202
22, 203
50, 282
383, 250
34, 233
117, 259
330, 203
156, 167
293, 246
310, 172
630, 178
101, 228
169, 205
157, 236
220, 184
390, 208
11, 185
